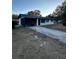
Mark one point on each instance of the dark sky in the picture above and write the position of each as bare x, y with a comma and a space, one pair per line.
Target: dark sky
45, 6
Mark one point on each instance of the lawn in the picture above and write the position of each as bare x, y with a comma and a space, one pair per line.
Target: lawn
56, 26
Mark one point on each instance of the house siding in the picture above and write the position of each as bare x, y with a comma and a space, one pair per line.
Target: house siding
47, 22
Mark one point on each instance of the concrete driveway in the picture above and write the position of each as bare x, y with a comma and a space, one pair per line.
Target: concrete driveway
61, 36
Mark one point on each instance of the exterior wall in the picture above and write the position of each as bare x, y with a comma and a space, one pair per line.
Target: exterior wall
35, 22
47, 23
19, 21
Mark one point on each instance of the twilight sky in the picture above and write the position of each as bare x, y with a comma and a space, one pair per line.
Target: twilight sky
45, 6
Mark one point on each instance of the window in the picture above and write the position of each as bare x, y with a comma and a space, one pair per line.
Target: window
47, 20
42, 21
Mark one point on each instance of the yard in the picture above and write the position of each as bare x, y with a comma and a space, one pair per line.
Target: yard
56, 26
28, 44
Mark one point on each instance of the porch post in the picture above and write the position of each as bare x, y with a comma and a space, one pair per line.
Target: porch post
37, 22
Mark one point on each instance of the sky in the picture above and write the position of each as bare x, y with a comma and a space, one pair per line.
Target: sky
45, 6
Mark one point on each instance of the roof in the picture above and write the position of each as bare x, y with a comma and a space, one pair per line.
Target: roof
34, 17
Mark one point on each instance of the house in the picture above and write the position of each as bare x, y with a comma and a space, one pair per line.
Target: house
34, 20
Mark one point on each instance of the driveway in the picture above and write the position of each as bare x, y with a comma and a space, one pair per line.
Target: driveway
61, 36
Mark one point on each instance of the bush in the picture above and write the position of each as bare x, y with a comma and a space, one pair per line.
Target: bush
14, 23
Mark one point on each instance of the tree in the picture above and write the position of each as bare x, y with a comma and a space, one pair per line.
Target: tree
34, 13
60, 13
60, 9
14, 16
50, 16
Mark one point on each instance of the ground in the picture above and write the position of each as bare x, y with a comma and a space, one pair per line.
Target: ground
56, 26
28, 44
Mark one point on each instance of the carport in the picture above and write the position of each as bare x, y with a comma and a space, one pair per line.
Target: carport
30, 22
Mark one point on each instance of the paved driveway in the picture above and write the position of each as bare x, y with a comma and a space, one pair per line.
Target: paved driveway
51, 33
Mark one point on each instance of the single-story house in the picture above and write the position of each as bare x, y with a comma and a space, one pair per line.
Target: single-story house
34, 20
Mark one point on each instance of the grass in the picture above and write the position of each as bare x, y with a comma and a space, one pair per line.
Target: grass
56, 26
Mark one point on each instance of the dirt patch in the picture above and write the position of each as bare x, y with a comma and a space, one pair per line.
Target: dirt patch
28, 44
